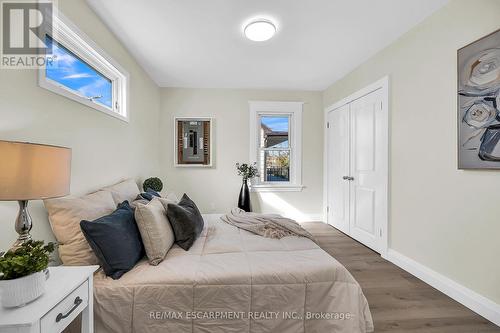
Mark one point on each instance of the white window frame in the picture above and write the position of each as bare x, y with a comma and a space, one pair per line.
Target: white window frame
272, 108
68, 35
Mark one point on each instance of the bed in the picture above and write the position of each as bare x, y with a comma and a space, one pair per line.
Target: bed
234, 281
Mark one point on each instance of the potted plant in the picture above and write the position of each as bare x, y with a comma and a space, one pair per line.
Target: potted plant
246, 171
22, 273
153, 183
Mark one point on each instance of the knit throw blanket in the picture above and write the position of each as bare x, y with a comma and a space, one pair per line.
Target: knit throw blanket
266, 225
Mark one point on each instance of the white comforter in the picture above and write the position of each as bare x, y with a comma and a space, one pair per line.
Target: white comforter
234, 281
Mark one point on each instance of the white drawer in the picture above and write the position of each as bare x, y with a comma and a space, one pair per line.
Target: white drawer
66, 310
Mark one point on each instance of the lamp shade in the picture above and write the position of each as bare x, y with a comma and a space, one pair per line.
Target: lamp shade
33, 171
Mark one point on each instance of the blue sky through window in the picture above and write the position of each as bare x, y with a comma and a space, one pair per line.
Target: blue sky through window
77, 75
276, 124
278, 137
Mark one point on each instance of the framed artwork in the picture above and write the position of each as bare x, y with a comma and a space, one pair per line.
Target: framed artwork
479, 104
193, 142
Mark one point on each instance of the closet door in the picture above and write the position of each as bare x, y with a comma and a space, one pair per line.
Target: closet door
368, 169
338, 168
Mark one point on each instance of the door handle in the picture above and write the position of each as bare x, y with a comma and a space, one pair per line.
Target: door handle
348, 178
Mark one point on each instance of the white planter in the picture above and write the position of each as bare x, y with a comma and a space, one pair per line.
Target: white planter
19, 292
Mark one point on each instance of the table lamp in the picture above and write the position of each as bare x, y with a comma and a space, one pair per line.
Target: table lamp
31, 171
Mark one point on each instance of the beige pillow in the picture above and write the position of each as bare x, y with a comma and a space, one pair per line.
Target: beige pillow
134, 203
156, 232
65, 215
125, 190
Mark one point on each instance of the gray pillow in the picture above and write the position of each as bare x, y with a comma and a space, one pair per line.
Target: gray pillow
186, 221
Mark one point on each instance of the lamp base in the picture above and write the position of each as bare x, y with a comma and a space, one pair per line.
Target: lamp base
20, 241
23, 225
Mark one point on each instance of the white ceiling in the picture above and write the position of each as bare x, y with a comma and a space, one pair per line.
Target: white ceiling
200, 43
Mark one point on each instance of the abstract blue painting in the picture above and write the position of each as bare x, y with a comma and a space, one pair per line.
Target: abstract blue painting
479, 104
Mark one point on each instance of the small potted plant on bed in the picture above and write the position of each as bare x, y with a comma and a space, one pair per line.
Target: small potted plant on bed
23, 272
246, 171
153, 183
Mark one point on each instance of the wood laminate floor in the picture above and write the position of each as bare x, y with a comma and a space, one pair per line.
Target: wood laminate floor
399, 302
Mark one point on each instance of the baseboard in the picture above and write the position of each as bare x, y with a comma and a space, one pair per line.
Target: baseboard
477, 303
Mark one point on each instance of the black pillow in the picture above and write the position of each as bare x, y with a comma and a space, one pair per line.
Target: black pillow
115, 240
148, 195
186, 222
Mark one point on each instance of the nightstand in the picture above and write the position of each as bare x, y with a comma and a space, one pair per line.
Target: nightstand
68, 292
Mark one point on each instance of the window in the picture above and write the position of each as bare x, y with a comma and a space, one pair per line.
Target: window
274, 148
77, 76
81, 71
275, 145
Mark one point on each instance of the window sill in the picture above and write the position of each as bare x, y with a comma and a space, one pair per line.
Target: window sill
276, 188
50, 85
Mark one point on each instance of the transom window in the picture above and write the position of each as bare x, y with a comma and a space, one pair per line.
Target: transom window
77, 76
81, 71
275, 145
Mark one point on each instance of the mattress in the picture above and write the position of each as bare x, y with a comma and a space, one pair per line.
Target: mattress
234, 281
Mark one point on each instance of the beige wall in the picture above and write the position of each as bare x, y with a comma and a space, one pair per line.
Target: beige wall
216, 189
444, 218
105, 149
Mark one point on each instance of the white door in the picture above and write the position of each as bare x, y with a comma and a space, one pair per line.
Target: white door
338, 168
357, 169
368, 205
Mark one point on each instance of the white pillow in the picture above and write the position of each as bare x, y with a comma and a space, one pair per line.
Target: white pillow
125, 190
172, 197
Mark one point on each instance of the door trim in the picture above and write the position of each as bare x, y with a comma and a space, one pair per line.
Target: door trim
383, 84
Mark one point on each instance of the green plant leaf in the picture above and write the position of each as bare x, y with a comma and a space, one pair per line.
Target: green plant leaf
29, 258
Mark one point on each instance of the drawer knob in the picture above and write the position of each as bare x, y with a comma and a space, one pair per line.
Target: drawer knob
61, 316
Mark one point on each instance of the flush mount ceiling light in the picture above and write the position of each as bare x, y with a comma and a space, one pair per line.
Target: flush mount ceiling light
260, 30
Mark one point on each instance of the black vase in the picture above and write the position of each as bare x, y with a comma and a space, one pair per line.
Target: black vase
244, 198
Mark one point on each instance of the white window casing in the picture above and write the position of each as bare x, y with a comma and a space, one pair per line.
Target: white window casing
69, 36
271, 108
